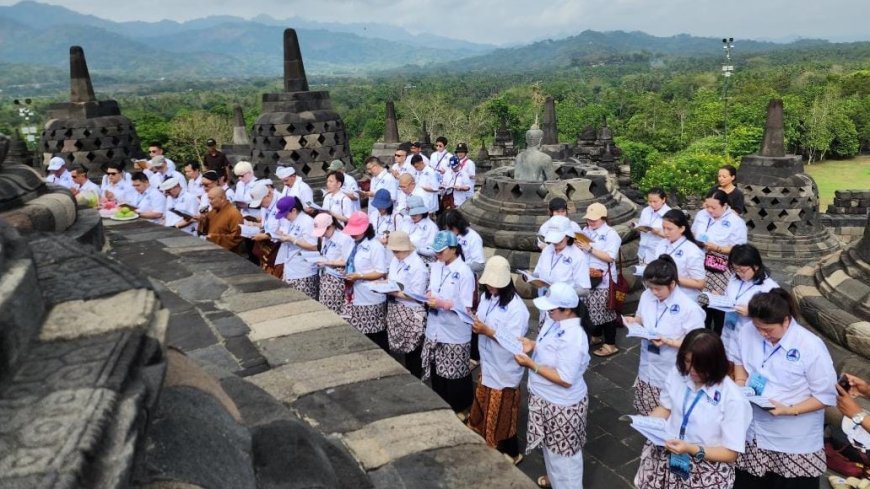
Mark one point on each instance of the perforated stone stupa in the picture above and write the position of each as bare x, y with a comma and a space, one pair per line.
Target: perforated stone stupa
298, 127
86, 130
386, 149
782, 202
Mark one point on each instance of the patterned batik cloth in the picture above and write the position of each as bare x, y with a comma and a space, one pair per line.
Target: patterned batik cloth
646, 397
405, 326
494, 413
306, 285
596, 302
332, 292
653, 472
368, 319
451, 359
758, 461
560, 429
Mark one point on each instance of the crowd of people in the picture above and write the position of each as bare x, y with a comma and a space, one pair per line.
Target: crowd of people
739, 384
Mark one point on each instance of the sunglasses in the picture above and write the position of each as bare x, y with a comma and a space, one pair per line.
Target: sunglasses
112, 173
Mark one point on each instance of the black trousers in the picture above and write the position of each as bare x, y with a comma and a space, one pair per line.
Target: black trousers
608, 329
414, 362
457, 392
745, 480
715, 320
380, 338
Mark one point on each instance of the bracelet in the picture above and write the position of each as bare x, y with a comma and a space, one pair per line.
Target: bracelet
794, 411
536, 368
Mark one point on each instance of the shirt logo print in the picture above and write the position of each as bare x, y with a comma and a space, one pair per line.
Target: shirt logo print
793, 355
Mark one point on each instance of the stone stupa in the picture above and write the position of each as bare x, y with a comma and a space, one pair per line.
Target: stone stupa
387, 148
85, 130
298, 127
240, 149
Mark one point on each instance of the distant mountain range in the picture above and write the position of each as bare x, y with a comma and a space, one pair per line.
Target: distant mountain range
35, 40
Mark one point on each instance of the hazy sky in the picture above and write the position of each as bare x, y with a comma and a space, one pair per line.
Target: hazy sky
517, 21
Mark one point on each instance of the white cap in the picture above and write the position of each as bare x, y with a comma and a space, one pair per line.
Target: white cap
169, 183
557, 228
259, 191
559, 295
285, 171
158, 160
56, 163
242, 167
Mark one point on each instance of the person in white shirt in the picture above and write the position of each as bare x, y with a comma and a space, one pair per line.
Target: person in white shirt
193, 172
556, 207
602, 251
856, 420
558, 395
680, 245
83, 188
717, 228
334, 247
265, 244
406, 318
706, 417
469, 239
416, 148
781, 361
501, 316
382, 217
426, 180
651, 217
467, 169
366, 263
162, 169
407, 188
295, 187
177, 202
115, 188
447, 347
57, 173
149, 203
155, 149
454, 185
381, 179
401, 163
440, 159
750, 277
335, 200
244, 172
420, 228
349, 185
296, 233
666, 312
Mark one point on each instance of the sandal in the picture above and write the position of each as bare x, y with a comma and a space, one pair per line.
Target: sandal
838, 482
606, 351
514, 460
543, 481
595, 341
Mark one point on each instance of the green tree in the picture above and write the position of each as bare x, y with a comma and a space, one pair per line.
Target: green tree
685, 175
189, 130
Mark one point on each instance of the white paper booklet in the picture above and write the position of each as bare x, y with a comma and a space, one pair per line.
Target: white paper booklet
508, 341
532, 279
637, 331
249, 231
335, 273
383, 286
654, 429
721, 302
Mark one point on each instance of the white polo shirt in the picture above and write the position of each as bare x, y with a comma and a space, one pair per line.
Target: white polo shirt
64, 180
301, 228
300, 190
402, 200
385, 224
649, 242
440, 160
427, 178
338, 203
797, 367
498, 368
452, 180
187, 203
123, 191
384, 181
561, 345
571, 266
689, 259
151, 200
740, 292
369, 257
350, 186
268, 217
408, 161
404, 167
542, 231
88, 187
453, 282
472, 249
672, 318
422, 234
605, 239
469, 171
195, 186
338, 247
719, 419
728, 230
413, 274
243, 195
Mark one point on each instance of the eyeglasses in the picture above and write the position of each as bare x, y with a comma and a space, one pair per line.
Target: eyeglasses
112, 173
152, 151
399, 155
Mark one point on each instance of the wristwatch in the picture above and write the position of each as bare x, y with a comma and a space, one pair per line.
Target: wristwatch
699, 457
859, 418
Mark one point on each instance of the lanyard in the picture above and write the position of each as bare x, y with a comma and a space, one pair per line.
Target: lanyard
740, 291
549, 330
688, 413
678, 246
350, 266
660, 315
444, 278
494, 303
329, 244
764, 349
554, 260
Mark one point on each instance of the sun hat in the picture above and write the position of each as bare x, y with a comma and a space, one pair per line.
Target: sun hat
285, 205
416, 205
559, 296
357, 224
444, 240
321, 223
496, 273
400, 241
382, 199
557, 227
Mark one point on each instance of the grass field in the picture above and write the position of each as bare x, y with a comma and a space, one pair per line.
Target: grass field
839, 175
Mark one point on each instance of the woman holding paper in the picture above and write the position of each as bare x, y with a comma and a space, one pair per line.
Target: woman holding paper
447, 347
334, 248
649, 225
718, 229
668, 315
336, 202
561, 261
420, 228
406, 317
680, 245
501, 319
706, 417
602, 250
781, 362
750, 277
296, 233
366, 263
558, 397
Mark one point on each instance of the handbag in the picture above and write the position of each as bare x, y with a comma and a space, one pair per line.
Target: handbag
447, 202
715, 262
596, 275
618, 289
839, 461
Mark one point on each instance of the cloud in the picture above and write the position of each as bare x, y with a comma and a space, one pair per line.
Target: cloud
515, 21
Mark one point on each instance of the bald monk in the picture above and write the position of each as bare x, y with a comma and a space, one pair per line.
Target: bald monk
221, 224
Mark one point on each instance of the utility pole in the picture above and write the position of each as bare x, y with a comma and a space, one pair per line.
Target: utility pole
727, 71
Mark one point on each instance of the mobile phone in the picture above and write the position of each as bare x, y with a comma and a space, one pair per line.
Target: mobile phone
844, 382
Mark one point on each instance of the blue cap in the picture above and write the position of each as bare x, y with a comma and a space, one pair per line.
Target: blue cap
382, 199
443, 240
416, 205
